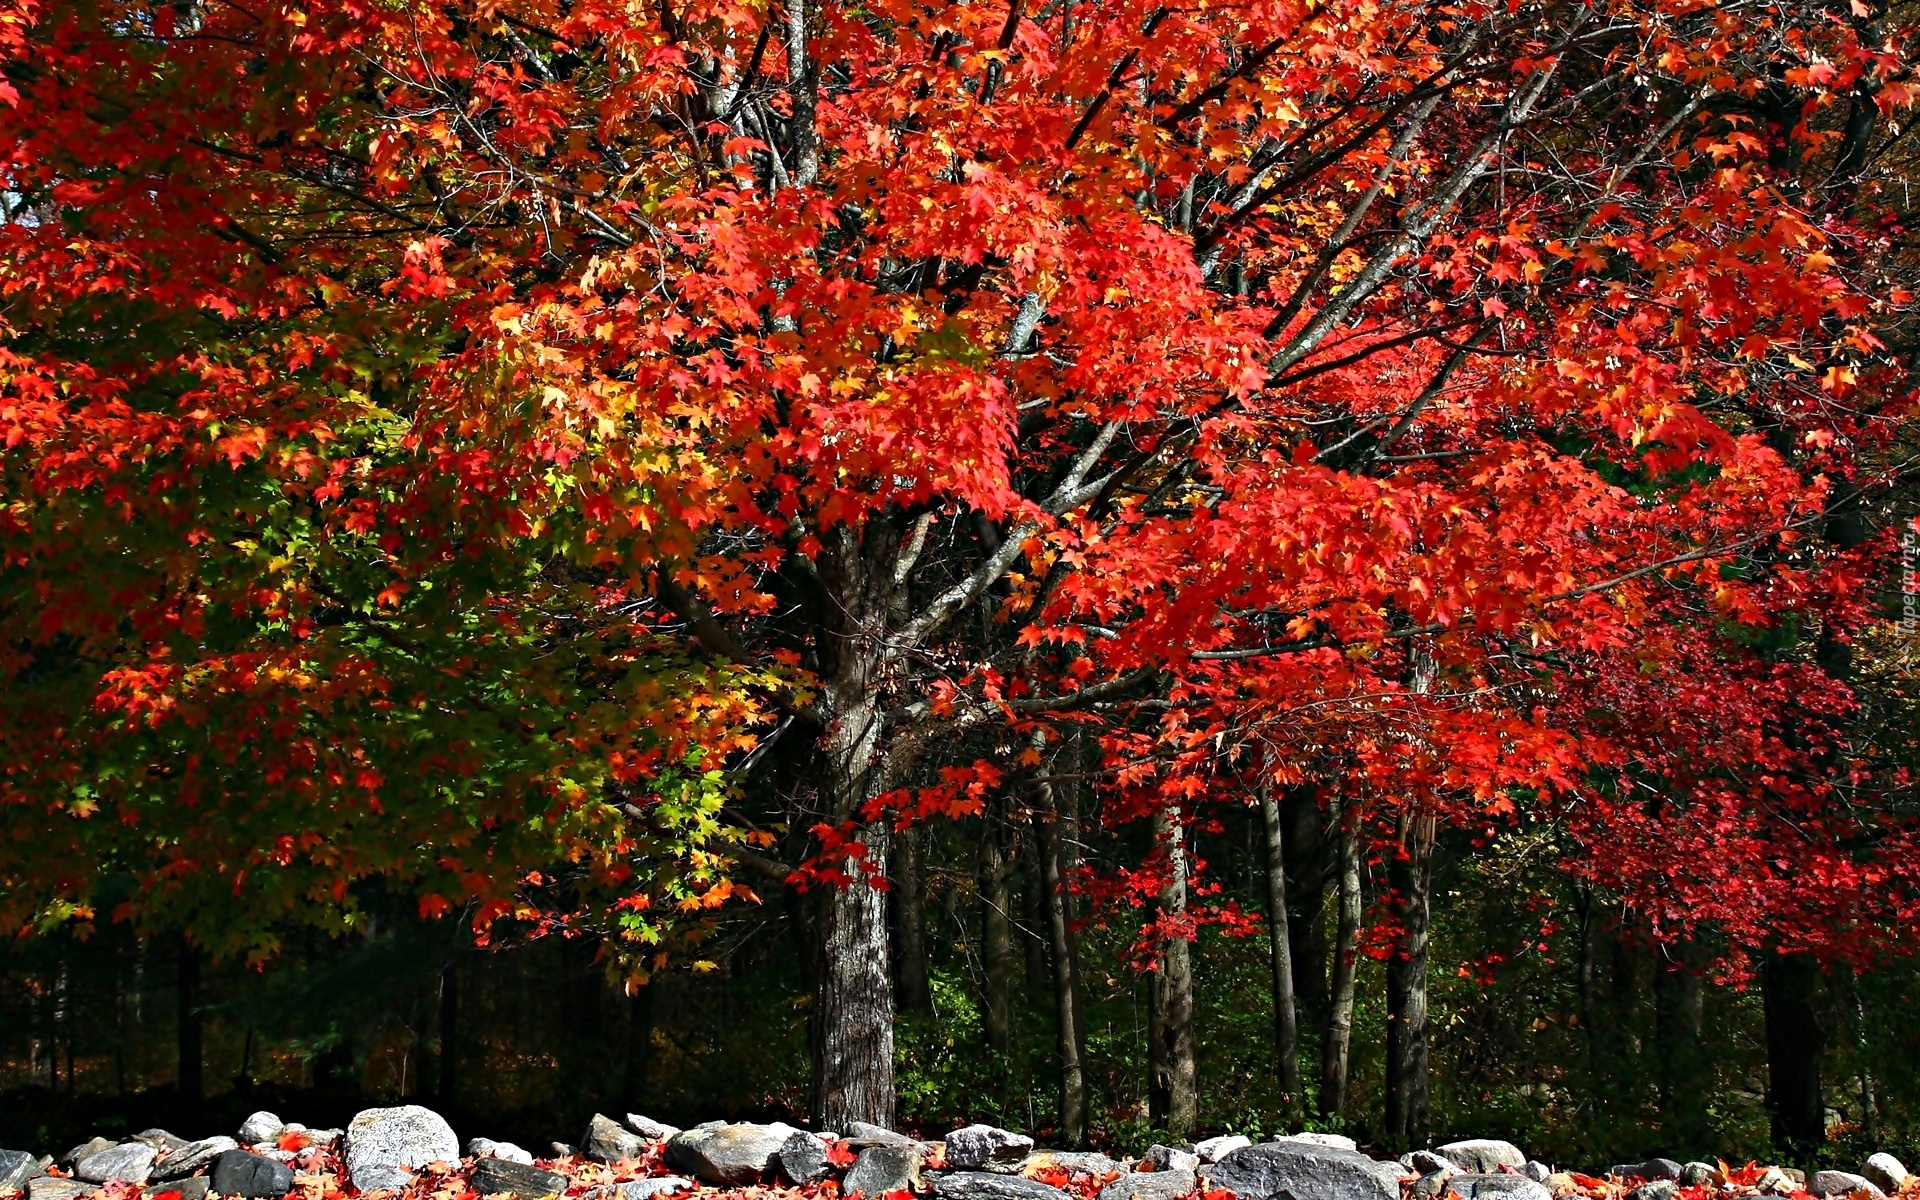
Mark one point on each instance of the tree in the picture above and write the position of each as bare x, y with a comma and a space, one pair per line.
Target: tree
947, 373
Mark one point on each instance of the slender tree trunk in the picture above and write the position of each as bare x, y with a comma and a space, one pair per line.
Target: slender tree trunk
996, 937
1033, 905
1412, 877
1173, 1097
1070, 1031
639, 1064
1338, 1041
449, 1080
911, 975
1309, 864
1286, 1025
192, 1080
1789, 988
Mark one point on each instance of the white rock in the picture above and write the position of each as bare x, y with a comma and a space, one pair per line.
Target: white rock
258, 1128
1885, 1172
1336, 1141
385, 1146
1484, 1156
129, 1162
1216, 1148
647, 1127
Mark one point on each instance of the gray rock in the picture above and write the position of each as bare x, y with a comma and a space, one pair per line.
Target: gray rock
1077, 1162
563, 1149
1161, 1157
1338, 1141
48, 1188
978, 1145
192, 1157
652, 1130
722, 1153
1694, 1174
260, 1127
1776, 1182
1501, 1185
1484, 1156
1426, 1162
324, 1137
237, 1173
195, 1188
882, 1169
984, 1185
606, 1141
1841, 1183
1286, 1170
385, 1146
1536, 1170
1432, 1184
1885, 1172
1653, 1168
879, 1135
1654, 1189
488, 1148
16, 1167
803, 1157
129, 1162
160, 1140
1216, 1148
645, 1189
1150, 1185
492, 1176
89, 1147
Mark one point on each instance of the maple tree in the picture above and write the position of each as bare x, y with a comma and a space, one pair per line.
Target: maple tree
1437, 403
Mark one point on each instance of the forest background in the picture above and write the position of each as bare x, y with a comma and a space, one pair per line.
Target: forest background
1113, 567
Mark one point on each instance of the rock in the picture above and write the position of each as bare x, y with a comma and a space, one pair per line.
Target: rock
1653, 1168
605, 1141
721, 1153
803, 1157
16, 1167
385, 1146
1775, 1182
160, 1140
192, 1157
48, 1188
978, 1145
89, 1147
1536, 1171
1337, 1141
195, 1188
1885, 1172
1077, 1162
1484, 1156
652, 1130
260, 1127
882, 1169
323, 1137
1150, 1185
1432, 1184
1502, 1185
1560, 1184
1285, 1170
1426, 1162
488, 1148
1842, 1183
861, 1131
984, 1185
563, 1149
129, 1162
643, 1189
1216, 1148
1654, 1189
492, 1176
1694, 1174
1171, 1158
237, 1173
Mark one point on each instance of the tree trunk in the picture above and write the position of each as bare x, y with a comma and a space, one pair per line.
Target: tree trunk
1033, 909
1070, 1031
1680, 1060
911, 975
1173, 1096
853, 1008
190, 1073
996, 938
1412, 880
1309, 866
449, 1079
639, 1064
1789, 987
1286, 1025
1336, 1045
